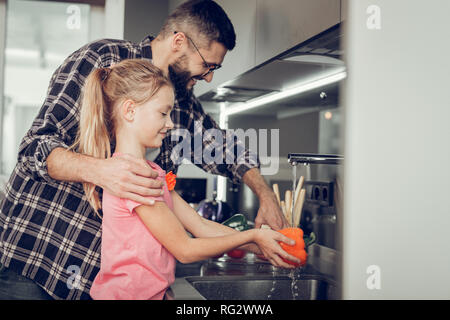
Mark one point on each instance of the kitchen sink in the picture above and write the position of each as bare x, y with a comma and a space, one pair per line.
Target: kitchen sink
262, 287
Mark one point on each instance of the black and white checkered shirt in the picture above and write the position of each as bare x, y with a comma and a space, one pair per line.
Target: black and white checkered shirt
48, 231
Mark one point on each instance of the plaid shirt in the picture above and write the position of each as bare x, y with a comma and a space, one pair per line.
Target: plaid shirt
50, 233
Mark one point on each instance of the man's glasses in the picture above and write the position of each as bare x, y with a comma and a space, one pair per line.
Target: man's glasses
211, 67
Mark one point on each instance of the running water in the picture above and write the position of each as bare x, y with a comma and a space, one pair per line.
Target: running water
294, 275
294, 181
272, 290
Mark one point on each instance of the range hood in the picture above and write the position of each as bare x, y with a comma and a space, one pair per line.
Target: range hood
313, 59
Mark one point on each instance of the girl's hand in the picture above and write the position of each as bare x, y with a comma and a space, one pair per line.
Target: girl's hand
128, 177
267, 240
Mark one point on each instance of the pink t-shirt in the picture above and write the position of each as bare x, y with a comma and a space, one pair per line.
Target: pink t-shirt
134, 264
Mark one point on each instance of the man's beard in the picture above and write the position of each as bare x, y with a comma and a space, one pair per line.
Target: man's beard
180, 79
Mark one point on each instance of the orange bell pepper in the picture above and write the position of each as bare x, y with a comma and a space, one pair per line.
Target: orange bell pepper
298, 249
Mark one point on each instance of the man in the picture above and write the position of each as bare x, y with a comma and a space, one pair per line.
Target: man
51, 236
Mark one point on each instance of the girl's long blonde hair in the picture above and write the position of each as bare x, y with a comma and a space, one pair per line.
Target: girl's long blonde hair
134, 79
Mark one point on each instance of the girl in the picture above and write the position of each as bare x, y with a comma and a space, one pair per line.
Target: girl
130, 104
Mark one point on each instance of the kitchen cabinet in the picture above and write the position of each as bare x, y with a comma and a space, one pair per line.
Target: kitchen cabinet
344, 8
282, 24
266, 28
242, 58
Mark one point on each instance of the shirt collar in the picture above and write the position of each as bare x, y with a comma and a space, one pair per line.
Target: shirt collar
146, 49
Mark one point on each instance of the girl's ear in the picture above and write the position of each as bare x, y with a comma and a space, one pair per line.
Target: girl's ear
127, 110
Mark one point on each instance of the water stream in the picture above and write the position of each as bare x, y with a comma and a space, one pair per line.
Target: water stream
294, 278
274, 282
294, 182
294, 274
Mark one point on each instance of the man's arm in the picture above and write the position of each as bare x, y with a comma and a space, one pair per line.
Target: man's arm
55, 125
269, 211
124, 176
245, 168
43, 151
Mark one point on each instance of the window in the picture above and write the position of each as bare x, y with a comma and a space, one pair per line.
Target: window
39, 36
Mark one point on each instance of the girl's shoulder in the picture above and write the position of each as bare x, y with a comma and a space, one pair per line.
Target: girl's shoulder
154, 166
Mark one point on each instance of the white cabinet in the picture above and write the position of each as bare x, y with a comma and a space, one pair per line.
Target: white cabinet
344, 9
283, 24
266, 28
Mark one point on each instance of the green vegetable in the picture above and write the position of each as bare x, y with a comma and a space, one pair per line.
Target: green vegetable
309, 240
237, 222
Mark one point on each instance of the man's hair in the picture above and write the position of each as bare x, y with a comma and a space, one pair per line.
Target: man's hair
203, 20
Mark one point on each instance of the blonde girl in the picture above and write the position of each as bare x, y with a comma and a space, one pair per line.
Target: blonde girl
129, 104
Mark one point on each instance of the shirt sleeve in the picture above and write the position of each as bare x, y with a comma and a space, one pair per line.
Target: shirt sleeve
131, 205
56, 124
236, 159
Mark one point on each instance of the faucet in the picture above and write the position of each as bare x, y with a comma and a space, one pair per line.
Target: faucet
308, 158
324, 224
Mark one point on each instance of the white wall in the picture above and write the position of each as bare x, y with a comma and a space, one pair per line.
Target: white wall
173, 4
397, 173
144, 17
2, 61
114, 19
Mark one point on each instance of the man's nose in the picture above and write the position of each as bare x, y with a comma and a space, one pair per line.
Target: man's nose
209, 77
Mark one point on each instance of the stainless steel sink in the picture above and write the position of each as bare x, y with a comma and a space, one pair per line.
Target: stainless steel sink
264, 287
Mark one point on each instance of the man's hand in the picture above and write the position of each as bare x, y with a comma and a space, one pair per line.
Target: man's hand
128, 177
269, 211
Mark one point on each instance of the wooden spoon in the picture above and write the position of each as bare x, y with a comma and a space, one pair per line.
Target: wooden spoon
298, 208
298, 188
288, 202
276, 190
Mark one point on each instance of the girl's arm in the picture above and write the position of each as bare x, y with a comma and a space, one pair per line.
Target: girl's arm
220, 229
165, 227
201, 227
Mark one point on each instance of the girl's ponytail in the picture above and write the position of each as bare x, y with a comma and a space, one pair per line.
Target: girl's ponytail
95, 125
104, 88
